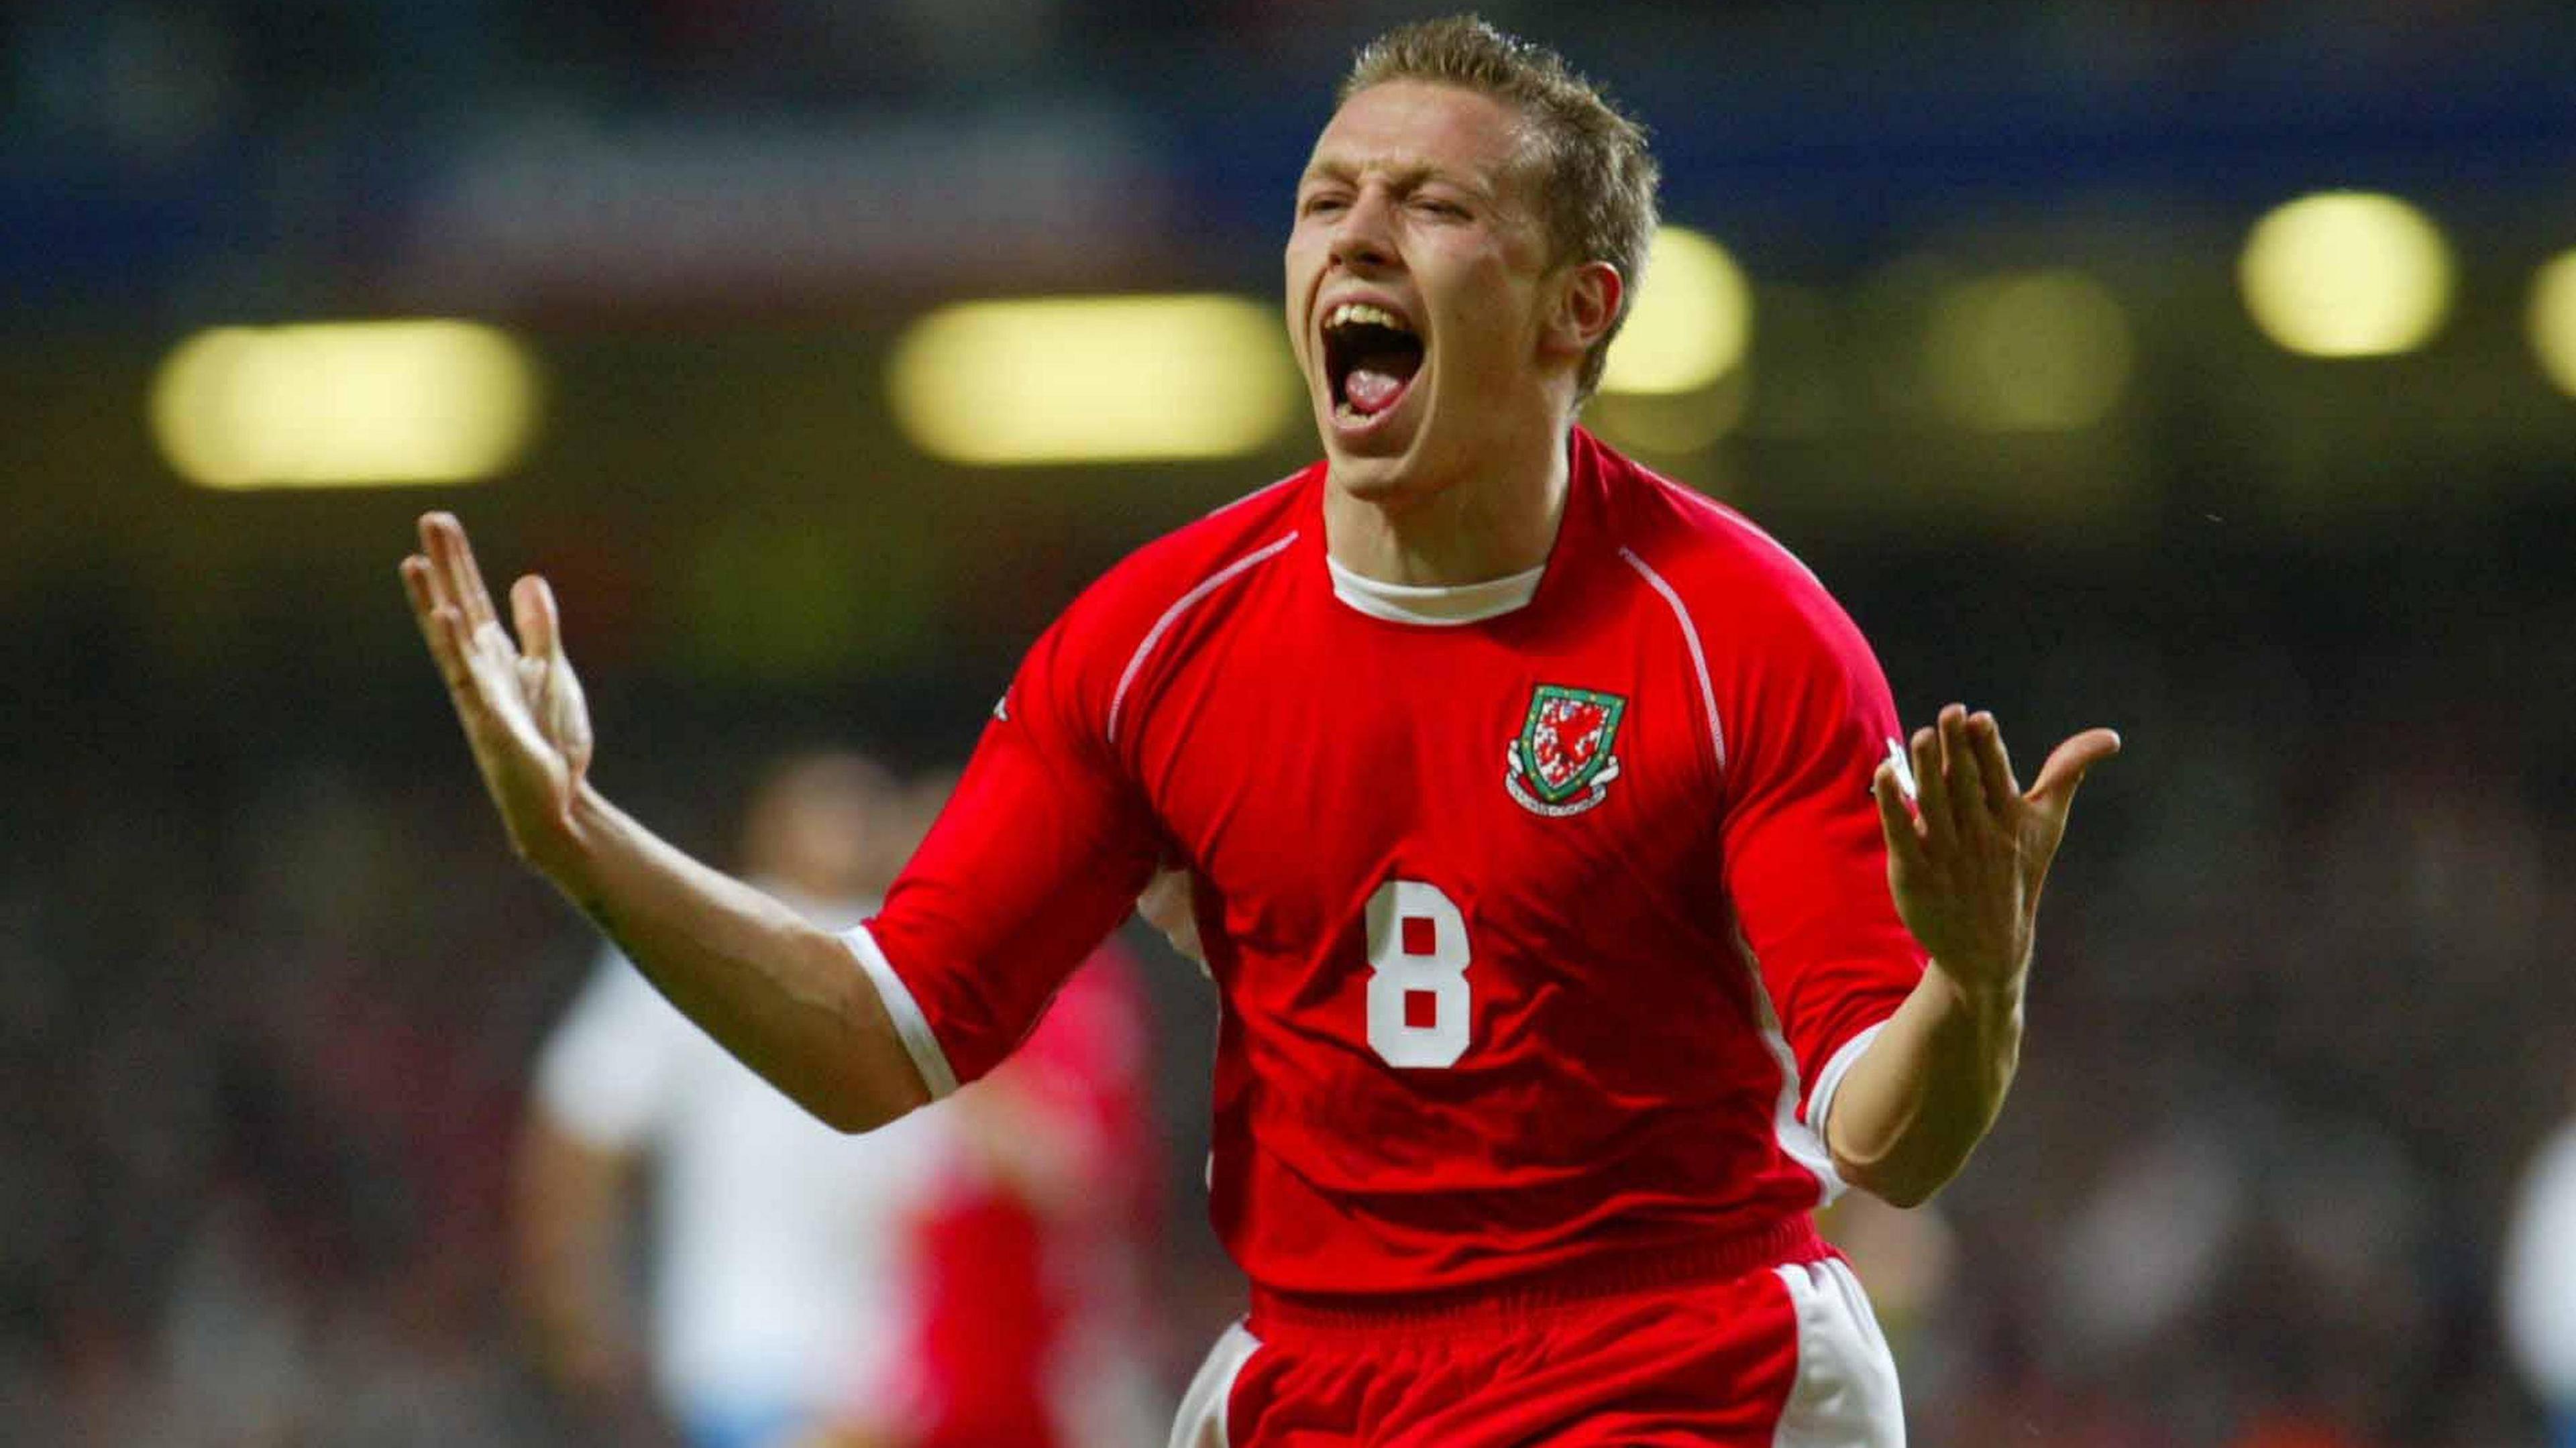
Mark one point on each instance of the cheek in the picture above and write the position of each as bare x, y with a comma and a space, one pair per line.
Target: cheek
1299, 271
1297, 259
1493, 317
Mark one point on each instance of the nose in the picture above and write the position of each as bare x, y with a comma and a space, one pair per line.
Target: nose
1361, 240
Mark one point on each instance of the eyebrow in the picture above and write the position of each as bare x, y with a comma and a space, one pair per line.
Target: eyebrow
1405, 176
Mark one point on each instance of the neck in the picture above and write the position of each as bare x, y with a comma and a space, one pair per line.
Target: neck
1496, 519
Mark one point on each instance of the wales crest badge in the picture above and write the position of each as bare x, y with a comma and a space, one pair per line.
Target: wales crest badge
1560, 763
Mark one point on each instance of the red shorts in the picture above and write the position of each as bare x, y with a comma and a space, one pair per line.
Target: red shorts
1777, 1356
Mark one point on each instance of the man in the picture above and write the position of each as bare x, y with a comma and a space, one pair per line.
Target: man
1526, 805
795, 1275
775, 1271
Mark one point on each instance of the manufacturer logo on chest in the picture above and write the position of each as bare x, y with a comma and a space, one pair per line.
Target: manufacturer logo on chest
1560, 763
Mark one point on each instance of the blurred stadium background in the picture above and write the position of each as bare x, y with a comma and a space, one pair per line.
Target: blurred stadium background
2000, 314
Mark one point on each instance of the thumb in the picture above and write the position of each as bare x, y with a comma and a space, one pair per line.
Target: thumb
532, 604
2054, 790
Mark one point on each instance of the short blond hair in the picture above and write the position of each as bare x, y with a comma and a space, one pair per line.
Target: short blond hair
1594, 178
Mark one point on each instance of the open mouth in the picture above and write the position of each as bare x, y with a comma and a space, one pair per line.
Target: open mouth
1370, 358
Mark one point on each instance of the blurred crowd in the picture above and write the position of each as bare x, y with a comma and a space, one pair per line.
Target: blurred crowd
150, 77
274, 1059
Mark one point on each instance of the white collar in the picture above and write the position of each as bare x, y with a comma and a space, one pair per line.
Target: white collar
1451, 605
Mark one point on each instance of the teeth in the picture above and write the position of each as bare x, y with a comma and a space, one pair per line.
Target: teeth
1359, 313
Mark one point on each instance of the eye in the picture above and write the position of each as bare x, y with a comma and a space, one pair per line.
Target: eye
1322, 203
1441, 207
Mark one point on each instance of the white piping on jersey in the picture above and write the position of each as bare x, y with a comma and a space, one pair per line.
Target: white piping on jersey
928, 1056
1820, 1102
1798, 1141
1265, 490
1736, 521
1690, 636
1444, 606
1163, 625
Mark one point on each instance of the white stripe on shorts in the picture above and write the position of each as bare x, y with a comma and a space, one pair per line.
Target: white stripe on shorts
1201, 1420
1846, 1394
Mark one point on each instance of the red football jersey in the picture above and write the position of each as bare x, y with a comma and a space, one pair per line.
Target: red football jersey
1536, 935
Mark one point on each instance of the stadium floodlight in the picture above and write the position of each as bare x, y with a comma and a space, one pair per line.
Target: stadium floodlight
1095, 380
336, 404
1691, 323
2553, 320
2347, 274
2039, 351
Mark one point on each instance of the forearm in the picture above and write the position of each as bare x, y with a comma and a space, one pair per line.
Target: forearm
1921, 1097
569, 1231
784, 996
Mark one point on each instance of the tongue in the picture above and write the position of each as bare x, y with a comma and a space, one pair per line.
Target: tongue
1371, 391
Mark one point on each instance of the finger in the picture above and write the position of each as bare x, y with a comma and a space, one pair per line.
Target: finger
419, 581
433, 551
532, 605
1967, 786
460, 576
485, 692
1904, 838
2054, 790
419, 569
1994, 766
1932, 792
418, 588
452, 644
468, 682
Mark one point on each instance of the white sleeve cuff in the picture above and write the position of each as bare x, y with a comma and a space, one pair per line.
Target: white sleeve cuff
909, 1023
1820, 1102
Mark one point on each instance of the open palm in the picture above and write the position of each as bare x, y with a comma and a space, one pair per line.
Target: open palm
519, 701
1966, 863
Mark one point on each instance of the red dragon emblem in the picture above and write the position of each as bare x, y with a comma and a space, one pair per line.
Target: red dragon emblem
1560, 763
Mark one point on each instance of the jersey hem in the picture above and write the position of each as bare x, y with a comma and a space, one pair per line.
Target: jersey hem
1509, 1305
919, 1042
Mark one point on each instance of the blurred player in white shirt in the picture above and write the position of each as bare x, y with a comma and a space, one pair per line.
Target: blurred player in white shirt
2540, 1282
779, 1293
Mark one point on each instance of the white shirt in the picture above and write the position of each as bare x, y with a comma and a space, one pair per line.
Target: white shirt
2540, 1273
776, 1266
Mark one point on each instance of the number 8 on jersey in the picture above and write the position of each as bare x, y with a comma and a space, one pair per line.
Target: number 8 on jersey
1418, 1001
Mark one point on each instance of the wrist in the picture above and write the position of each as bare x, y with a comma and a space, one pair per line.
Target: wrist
1992, 995
563, 846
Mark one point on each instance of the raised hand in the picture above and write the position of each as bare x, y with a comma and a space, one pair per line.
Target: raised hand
1967, 862
520, 702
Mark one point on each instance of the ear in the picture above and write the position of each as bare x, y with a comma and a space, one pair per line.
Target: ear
1587, 300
